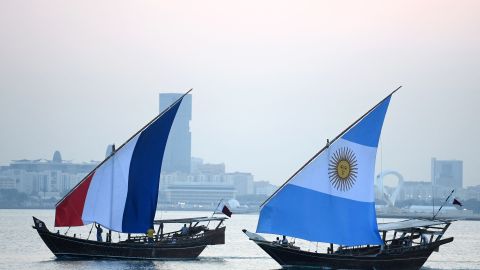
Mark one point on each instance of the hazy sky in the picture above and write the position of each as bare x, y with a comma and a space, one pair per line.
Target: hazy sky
272, 79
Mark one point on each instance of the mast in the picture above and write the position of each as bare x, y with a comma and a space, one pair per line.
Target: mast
326, 146
434, 164
111, 190
121, 146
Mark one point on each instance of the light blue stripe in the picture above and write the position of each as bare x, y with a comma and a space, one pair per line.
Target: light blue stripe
303, 213
367, 131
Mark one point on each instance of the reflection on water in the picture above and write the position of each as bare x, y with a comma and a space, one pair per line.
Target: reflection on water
205, 263
54, 263
22, 248
99, 264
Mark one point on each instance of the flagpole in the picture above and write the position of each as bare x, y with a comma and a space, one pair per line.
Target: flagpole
328, 145
433, 191
221, 200
133, 136
443, 204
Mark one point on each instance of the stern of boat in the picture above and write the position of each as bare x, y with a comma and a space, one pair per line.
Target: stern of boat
215, 237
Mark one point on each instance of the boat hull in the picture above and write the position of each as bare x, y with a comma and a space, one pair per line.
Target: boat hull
408, 259
67, 247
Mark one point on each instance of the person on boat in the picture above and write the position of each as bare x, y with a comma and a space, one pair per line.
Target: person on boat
425, 239
99, 232
150, 233
284, 240
277, 241
407, 242
184, 230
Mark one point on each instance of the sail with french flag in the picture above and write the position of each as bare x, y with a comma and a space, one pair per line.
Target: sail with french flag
121, 193
331, 198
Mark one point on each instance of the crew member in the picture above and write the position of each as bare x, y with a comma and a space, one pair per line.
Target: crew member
99, 232
150, 233
284, 240
184, 230
425, 239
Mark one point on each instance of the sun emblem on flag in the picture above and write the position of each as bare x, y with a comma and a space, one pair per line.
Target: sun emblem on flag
343, 169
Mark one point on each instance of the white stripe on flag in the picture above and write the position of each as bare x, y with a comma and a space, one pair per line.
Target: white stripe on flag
315, 175
107, 193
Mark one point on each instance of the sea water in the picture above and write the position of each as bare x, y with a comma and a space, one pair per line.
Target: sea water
22, 248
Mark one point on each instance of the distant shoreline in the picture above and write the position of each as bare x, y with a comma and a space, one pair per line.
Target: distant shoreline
253, 211
429, 216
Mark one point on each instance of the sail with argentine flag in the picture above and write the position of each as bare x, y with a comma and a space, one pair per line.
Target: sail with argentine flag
331, 198
121, 193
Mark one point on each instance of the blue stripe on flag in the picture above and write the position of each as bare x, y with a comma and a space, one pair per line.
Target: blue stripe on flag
307, 214
367, 131
144, 175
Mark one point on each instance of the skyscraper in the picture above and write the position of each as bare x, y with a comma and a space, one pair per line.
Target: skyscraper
178, 152
447, 173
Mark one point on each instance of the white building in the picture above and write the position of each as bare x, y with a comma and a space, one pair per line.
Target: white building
195, 189
243, 182
44, 178
8, 182
264, 188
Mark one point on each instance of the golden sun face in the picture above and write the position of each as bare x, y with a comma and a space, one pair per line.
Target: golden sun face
343, 169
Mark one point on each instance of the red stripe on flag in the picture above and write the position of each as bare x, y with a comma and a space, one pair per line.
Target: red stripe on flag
69, 211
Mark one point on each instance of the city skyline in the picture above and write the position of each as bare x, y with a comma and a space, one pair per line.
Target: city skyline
425, 177
268, 93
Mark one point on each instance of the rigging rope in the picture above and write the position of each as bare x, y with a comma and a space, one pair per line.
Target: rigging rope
90, 231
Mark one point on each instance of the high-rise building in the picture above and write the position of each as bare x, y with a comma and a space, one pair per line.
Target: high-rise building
243, 182
447, 173
178, 151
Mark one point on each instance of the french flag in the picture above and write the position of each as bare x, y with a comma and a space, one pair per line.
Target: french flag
121, 193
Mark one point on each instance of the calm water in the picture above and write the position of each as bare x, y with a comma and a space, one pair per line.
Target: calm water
22, 248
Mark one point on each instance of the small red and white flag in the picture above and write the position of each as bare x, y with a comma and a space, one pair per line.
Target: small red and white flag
223, 207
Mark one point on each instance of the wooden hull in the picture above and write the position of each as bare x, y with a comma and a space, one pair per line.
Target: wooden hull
66, 247
413, 258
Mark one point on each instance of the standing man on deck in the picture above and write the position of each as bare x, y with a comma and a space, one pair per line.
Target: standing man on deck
99, 232
184, 230
284, 240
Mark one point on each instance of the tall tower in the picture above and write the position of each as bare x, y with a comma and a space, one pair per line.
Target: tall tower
178, 151
447, 173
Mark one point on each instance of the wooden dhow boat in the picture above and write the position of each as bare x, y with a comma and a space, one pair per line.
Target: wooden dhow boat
407, 245
120, 195
171, 245
331, 200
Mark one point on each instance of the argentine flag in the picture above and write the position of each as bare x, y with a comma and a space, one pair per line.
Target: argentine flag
332, 198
